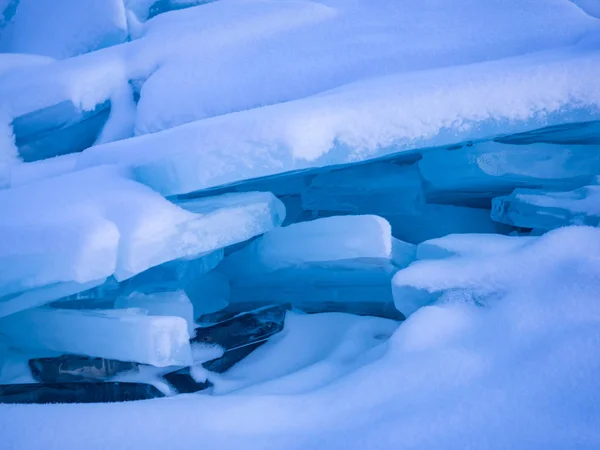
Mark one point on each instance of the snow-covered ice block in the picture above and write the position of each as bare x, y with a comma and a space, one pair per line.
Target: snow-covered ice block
175, 304
546, 210
4, 175
439, 220
209, 293
470, 245
482, 276
14, 61
328, 239
485, 170
88, 225
380, 188
59, 129
65, 28
124, 335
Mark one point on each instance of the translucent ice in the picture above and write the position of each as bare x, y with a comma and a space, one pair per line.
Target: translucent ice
124, 335
547, 209
328, 239
175, 304
381, 188
484, 170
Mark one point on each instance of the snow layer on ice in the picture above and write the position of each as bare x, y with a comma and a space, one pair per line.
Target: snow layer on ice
470, 245
64, 28
521, 370
365, 120
91, 224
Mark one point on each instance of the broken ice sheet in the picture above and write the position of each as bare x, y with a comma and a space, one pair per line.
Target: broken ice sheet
547, 210
124, 335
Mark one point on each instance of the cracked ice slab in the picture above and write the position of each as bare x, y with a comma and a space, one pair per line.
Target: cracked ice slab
124, 335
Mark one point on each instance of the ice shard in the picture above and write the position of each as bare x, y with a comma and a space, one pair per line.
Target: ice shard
547, 210
124, 335
72, 368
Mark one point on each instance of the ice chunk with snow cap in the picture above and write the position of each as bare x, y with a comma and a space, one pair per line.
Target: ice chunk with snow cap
332, 262
547, 210
124, 335
328, 239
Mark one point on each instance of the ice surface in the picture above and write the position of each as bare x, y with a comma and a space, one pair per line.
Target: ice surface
328, 239
208, 293
382, 188
485, 170
175, 304
124, 335
64, 28
439, 220
547, 209
69, 368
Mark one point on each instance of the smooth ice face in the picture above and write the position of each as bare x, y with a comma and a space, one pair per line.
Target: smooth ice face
124, 335
482, 171
209, 293
439, 220
175, 304
547, 210
466, 245
328, 239
59, 129
381, 188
